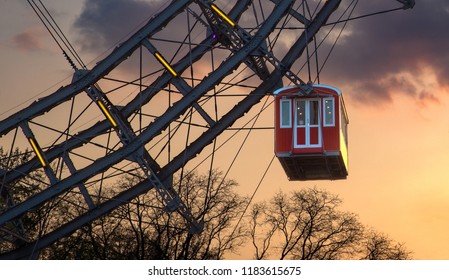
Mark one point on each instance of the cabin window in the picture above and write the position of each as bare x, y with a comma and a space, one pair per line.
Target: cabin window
300, 112
314, 112
286, 113
329, 112
307, 112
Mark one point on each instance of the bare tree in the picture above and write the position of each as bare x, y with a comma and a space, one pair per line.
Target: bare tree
260, 230
378, 246
213, 200
304, 224
15, 192
307, 224
142, 229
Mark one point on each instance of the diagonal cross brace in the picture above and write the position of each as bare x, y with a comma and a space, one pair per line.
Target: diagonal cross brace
102, 68
146, 163
156, 127
142, 187
85, 136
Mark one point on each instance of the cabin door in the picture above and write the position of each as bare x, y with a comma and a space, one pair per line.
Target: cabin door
307, 129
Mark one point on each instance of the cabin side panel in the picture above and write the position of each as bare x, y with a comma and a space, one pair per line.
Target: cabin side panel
331, 133
344, 133
283, 135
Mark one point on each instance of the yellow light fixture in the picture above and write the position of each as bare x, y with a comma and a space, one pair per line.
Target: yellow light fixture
222, 15
107, 114
165, 63
37, 151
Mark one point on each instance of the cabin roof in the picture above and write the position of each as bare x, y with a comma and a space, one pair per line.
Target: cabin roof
293, 89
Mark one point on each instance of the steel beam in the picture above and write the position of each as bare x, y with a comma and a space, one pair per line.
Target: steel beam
255, 96
101, 69
156, 127
295, 14
408, 4
147, 164
180, 84
144, 186
102, 209
85, 136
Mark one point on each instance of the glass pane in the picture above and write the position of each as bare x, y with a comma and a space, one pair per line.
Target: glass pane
314, 112
285, 113
329, 112
301, 112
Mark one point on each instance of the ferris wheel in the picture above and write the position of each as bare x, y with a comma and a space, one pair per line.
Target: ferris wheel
194, 70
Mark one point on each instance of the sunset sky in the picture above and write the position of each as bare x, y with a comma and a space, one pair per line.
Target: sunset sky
393, 70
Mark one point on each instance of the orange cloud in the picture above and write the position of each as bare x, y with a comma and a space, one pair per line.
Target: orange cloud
29, 40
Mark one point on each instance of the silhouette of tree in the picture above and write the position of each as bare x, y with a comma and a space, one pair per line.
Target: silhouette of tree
378, 246
142, 229
307, 224
304, 224
13, 234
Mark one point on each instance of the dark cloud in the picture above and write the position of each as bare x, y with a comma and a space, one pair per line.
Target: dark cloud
373, 59
104, 23
381, 56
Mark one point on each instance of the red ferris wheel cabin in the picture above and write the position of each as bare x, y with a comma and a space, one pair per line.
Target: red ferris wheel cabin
311, 133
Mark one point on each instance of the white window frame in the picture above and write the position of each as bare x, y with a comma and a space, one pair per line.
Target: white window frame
324, 112
281, 107
307, 126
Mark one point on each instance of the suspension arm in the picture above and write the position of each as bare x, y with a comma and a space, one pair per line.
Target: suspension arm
85, 136
155, 128
102, 68
255, 96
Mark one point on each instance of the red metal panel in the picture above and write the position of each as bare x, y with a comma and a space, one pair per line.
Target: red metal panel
283, 136
314, 136
301, 136
283, 140
331, 138
303, 151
